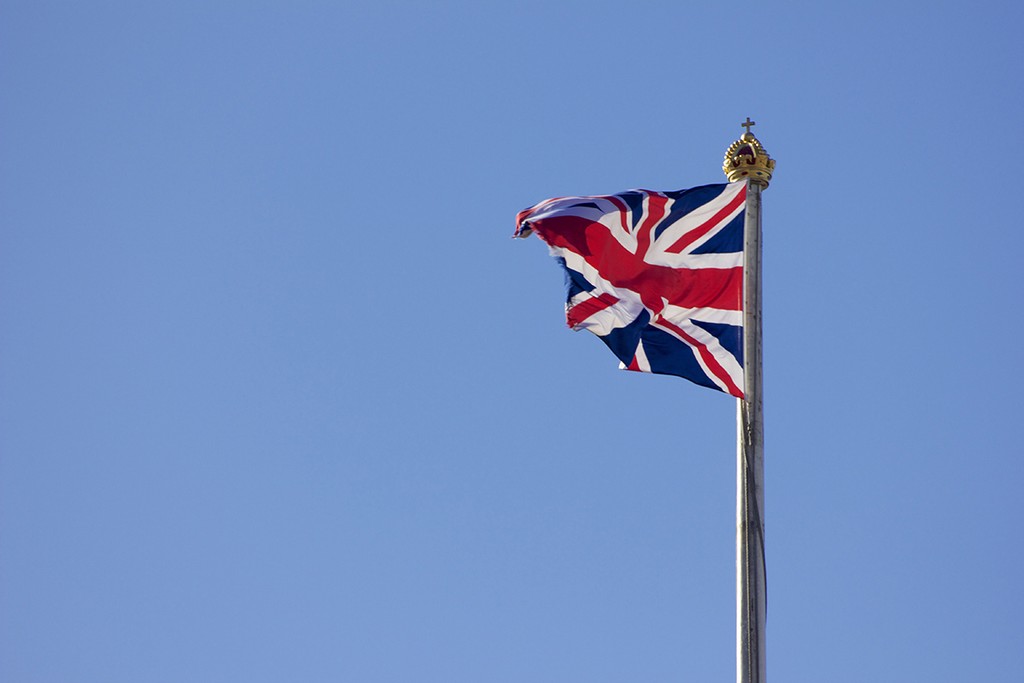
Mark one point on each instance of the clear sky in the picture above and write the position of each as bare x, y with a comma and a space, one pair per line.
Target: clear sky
281, 400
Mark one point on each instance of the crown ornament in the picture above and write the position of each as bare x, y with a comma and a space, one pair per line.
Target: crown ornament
747, 158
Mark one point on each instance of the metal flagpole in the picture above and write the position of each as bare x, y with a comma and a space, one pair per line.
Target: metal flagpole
746, 159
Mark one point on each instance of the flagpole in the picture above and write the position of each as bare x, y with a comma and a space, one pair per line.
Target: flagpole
746, 159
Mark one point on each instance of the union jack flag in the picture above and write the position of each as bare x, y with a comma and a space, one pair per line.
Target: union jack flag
658, 276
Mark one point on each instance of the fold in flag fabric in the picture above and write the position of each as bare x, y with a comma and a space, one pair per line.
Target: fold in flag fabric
658, 276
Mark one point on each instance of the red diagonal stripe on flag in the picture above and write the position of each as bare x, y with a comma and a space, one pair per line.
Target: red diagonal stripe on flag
710, 361
655, 212
708, 225
583, 310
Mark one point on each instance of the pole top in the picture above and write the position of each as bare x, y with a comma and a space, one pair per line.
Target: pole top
747, 158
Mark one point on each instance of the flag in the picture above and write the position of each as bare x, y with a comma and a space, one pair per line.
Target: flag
658, 276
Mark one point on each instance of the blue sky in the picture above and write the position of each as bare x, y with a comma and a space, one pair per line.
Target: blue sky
280, 399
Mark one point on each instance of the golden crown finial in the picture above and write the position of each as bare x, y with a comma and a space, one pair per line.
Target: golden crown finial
747, 158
